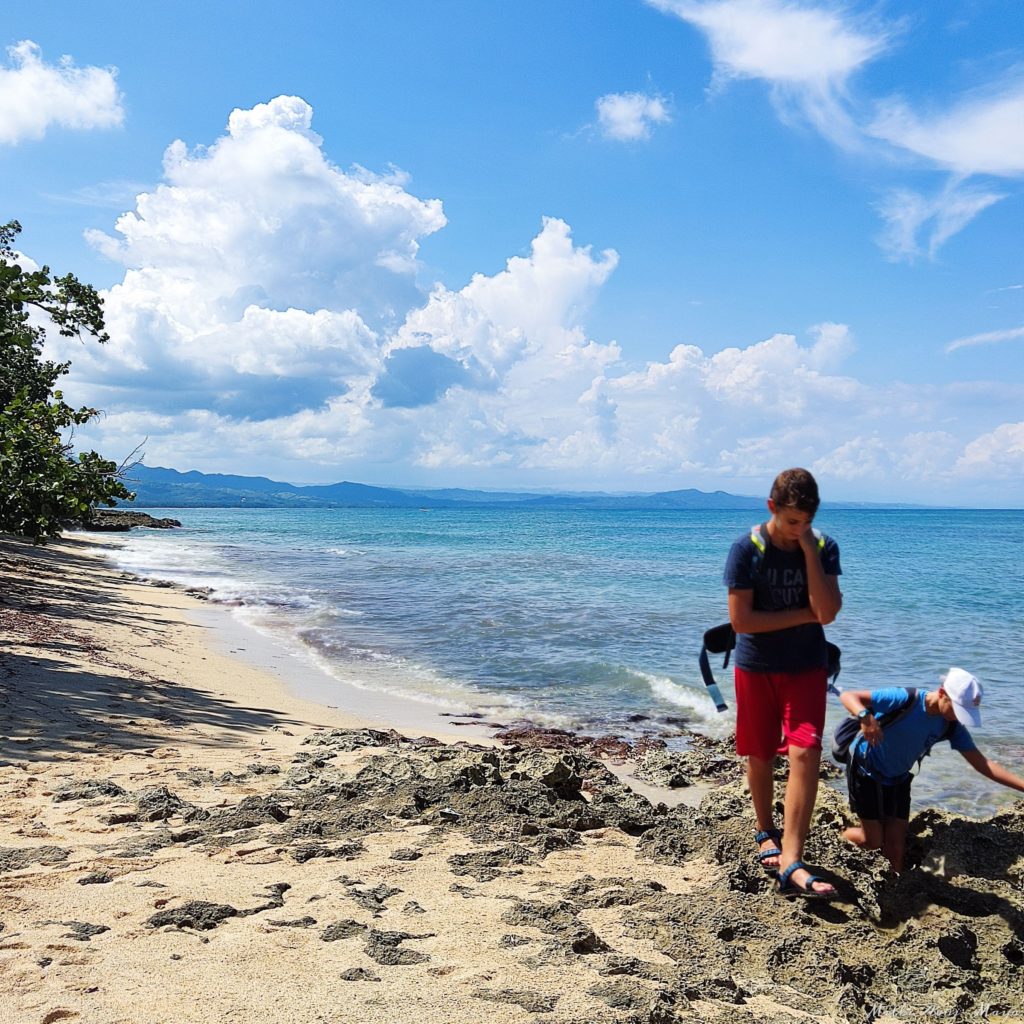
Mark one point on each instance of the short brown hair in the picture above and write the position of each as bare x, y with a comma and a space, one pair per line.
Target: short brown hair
796, 488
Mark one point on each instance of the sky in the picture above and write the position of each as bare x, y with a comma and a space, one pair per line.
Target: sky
619, 245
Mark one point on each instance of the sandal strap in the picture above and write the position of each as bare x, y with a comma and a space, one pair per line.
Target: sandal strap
785, 876
768, 833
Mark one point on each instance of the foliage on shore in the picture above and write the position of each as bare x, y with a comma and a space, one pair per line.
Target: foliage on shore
43, 483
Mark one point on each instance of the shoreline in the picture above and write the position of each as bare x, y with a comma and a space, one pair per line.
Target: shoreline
183, 838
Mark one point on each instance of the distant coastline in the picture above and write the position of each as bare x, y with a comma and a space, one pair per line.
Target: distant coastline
158, 487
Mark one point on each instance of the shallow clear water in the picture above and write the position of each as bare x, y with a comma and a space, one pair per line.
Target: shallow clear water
589, 619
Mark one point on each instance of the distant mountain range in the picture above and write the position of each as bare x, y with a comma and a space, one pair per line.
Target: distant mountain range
156, 487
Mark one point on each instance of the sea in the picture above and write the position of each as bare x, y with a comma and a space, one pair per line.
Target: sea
591, 619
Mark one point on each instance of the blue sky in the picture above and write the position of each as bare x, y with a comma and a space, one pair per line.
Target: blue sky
610, 244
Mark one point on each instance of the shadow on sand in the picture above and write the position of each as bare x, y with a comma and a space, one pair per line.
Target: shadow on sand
55, 605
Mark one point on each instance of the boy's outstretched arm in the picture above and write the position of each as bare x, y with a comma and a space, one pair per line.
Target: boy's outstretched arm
996, 772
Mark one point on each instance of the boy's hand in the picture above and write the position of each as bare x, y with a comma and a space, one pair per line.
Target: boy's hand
808, 541
871, 730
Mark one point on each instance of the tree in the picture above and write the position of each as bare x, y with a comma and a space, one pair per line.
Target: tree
43, 484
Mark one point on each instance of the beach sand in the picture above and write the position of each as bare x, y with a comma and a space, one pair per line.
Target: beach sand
184, 839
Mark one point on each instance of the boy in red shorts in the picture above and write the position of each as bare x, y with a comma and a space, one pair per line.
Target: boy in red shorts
783, 581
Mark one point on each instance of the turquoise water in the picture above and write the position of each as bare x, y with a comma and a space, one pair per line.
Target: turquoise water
592, 619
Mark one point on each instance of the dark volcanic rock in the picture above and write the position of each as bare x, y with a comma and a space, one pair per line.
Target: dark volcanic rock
80, 931
358, 974
374, 900
122, 519
87, 789
197, 914
664, 768
96, 878
14, 859
558, 919
406, 854
157, 803
384, 948
346, 851
945, 941
917, 947
483, 865
353, 739
342, 930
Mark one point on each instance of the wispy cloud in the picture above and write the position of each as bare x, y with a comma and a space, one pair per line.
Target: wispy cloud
988, 338
629, 116
917, 225
980, 134
35, 95
112, 195
805, 53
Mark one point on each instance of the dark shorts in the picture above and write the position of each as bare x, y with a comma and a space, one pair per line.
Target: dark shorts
873, 801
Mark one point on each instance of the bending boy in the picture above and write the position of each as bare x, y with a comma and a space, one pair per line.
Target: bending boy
883, 756
779, 599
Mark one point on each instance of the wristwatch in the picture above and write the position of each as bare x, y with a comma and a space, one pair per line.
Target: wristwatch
863, 713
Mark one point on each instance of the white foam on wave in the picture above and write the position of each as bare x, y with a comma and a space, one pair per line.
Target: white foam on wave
708, 719
191, 564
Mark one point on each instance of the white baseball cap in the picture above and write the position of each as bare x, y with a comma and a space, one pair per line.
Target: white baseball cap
965, 691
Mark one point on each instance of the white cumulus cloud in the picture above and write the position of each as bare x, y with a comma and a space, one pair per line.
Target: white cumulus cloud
996, 455
35, 95
629, 116
259, 276
270, 316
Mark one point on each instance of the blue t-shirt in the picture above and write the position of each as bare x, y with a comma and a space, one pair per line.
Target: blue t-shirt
781, 584
907, 739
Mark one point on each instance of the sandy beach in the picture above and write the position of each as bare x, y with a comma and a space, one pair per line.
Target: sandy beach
184, 839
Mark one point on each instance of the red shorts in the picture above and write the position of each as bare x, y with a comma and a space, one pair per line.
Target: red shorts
776, 710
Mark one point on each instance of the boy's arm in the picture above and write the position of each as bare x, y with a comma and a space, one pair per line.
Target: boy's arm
822, 590
856, 701
996, 772
745, 619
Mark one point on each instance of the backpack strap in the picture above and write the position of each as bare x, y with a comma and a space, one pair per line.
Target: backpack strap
946, 734
760, 541
719, 639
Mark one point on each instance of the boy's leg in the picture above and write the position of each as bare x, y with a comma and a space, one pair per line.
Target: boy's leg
801, 792
894, 841
864, 797
757, 738
868, 835
896, 824
761, 783
803, 719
